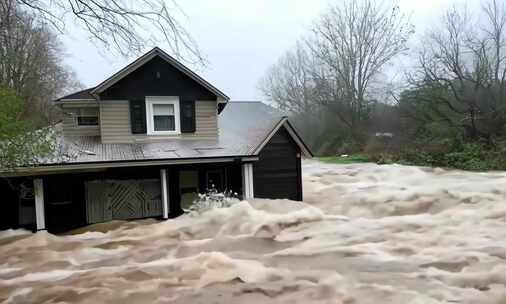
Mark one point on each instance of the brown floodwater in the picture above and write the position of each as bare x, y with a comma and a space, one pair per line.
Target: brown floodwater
365, 234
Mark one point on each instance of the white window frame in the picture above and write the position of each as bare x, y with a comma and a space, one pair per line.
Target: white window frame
168, 100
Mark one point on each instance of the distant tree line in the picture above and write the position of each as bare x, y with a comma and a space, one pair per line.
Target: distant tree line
335, 82
330, 76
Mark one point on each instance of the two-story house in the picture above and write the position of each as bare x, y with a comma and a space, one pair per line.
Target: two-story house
144, 143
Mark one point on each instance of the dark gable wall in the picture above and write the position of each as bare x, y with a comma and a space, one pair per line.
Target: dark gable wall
144, 82
277, 173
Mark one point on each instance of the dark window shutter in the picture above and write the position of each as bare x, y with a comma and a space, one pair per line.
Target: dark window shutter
138, 116
221, 107
187, 116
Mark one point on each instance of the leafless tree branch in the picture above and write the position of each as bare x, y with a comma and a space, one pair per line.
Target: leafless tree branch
122, 25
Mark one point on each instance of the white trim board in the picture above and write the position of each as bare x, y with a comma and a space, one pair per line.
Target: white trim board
40, 216
165, 193
247, 181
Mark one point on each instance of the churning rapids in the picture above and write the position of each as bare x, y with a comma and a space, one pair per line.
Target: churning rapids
365, 234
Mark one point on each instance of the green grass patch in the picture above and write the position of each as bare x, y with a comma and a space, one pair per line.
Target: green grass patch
350, 159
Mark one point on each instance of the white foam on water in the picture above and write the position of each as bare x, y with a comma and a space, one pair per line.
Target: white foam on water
47, 276
365, 234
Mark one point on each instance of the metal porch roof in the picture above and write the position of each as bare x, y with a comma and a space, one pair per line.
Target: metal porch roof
243, 126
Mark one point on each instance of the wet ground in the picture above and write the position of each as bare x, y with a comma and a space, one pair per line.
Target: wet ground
365, 234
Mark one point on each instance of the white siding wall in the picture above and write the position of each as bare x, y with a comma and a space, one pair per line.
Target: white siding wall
206, 119
70, 127
115, 122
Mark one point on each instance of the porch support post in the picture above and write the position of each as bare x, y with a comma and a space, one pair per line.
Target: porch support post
165, 193
247, 181
40, 217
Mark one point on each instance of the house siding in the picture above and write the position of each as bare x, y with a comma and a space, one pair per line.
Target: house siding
277, 173
70, 127
115, 123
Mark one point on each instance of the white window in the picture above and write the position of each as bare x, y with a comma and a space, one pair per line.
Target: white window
162, 115
85, 117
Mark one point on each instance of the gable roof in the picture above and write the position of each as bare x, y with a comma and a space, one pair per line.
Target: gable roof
146, 58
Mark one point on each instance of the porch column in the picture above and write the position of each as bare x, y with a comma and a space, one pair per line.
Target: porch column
165, 193
38, 190
247, 181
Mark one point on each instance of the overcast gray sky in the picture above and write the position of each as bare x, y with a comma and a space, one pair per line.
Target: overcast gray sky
240, 39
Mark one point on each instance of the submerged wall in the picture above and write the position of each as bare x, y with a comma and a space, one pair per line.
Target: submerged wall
65, 195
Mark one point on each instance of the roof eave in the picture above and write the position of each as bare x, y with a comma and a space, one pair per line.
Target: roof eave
293, 132
64, 167
72, 100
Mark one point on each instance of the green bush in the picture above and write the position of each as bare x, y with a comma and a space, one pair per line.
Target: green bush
470, 156
383, 158
449, 154
446, 153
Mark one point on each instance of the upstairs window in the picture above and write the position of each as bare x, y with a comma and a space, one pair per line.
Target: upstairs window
162, 115
85, 117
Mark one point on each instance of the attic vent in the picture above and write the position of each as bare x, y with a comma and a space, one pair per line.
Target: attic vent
157, 75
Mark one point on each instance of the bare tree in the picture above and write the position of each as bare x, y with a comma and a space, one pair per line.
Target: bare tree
327, 79
356, 40
462, 71
122, 25
290, 83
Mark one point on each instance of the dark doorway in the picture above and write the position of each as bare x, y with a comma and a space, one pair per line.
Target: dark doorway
188, 187
216, 179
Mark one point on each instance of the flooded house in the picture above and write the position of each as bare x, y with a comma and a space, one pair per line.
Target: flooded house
144, 143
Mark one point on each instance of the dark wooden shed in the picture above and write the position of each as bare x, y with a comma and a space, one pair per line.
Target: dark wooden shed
277, 173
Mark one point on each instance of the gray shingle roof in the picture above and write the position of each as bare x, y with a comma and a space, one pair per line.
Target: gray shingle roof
242, 128
83, 94
247, 124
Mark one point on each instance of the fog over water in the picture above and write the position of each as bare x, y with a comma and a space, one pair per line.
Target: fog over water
365, 234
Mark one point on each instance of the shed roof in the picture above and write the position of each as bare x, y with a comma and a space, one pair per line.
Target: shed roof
79, 95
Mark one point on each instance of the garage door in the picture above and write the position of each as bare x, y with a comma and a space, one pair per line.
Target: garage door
122, 199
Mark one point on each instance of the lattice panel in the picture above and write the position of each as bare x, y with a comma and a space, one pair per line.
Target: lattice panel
122, 199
